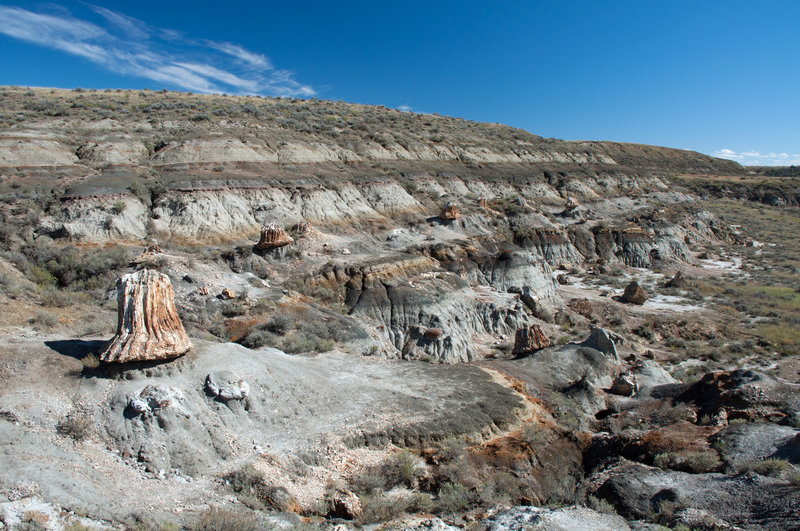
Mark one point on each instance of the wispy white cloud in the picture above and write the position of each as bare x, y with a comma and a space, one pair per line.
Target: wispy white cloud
756, 158
129, 46
134, 28
246, 56
405, 108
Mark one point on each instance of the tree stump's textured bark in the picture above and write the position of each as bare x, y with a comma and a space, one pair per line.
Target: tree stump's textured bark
529, 340
272, 237
634, 294
148, 326
449, 212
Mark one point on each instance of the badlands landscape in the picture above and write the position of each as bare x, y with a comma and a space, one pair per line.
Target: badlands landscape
224, 312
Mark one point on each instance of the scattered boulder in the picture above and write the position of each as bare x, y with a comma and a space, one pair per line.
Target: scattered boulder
224, 385
449, 212
562, 279
678, 281
626, 384
152, 398
530, 339
538, 308
148, 326
634, 294
600, 339
573, 518
273, 237
744, 394
744, 443
744, 500
227, 294
346, 505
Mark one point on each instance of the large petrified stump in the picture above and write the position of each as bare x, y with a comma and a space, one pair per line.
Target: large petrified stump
148, 326
529, 339
273, 236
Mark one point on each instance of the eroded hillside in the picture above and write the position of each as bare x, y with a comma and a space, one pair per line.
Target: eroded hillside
392, 315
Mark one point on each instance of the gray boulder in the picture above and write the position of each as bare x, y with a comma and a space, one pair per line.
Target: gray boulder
600, 339
574, 518
224, 385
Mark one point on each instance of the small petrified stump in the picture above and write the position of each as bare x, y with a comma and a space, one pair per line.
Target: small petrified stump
530, 339
148, 255
634, 294
449, 212
678, 281
571, 205
272, 237
625, 384
304, 227
148, 326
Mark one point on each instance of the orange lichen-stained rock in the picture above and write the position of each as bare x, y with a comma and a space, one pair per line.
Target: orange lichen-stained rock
529, 340
273, 236
449, 212
148, 326
634, 294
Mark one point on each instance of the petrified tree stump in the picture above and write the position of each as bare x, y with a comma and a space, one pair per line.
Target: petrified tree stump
148, 326
449, 212
678, 281
530, 339
273, 236
634, 294
571, 204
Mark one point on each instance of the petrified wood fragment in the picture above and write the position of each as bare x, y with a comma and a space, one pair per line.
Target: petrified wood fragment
529, 340
634, 294
449, 212
272, 237
148, 326
571, 204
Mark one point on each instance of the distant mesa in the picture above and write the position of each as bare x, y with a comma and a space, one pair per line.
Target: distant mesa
273, 237
148, 326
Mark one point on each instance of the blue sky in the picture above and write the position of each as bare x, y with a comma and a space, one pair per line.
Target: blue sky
720, 77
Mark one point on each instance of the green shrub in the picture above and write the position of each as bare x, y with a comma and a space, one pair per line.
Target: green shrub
119, 207
55, 298
216, 519
768, 467
41, 277
45, 320
697, 462
454, 498
78, 426
600, 505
